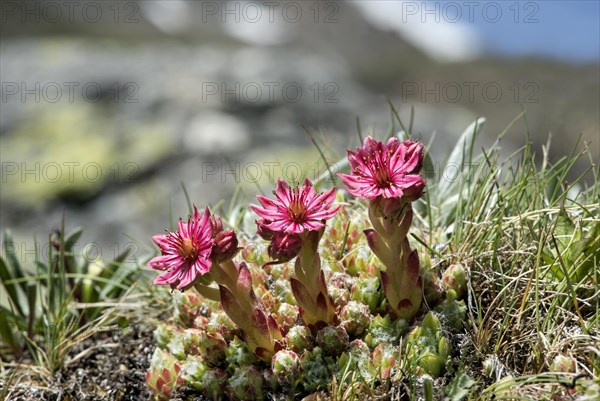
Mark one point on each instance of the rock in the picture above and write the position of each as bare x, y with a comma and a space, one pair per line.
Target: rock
216, 133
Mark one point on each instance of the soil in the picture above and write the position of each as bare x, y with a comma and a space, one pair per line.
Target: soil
112, 368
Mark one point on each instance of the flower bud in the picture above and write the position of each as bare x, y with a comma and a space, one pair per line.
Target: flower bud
355, 318
415, 191
416, 147
217, 225
333, 340
387, 207
263, 231
225, 246
284, 246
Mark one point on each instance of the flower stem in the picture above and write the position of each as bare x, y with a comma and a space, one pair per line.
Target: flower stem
208, 292
309, 288
401, 280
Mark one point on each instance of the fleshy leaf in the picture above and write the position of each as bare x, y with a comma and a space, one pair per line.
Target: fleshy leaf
231, 307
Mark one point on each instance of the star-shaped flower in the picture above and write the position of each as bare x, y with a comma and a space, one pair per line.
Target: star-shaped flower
295, 210
385, 170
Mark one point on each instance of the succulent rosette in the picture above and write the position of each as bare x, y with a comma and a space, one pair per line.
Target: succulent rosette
427, 346
164, 375
285, 366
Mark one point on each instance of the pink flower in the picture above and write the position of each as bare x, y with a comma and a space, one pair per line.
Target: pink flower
185, 253
388, 170
295, 210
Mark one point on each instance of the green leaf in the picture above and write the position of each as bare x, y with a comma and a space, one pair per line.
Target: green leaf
586, 253
6, 332
341, 166
428, 168
460, 387
11, 289
70, 241
580, 256
460, 155
12, 261
563, 229
122, 257
32, 290
119, 283
72, 238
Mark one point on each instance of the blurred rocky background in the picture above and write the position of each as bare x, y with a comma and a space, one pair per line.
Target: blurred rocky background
109, 106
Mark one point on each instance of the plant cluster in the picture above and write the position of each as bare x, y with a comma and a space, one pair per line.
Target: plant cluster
327, 290
57, 303
357, 293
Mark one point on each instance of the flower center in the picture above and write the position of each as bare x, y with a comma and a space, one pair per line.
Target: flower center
187, 249
297, 211
378, 165
382, 175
